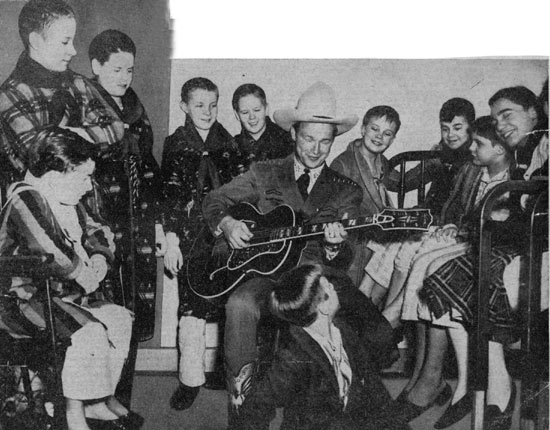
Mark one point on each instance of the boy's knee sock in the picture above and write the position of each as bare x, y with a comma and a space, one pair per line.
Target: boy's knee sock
192, 345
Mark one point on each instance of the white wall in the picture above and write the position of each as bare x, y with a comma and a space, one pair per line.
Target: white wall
415, 88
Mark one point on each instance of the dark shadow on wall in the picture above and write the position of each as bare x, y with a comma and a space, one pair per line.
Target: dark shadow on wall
145, 21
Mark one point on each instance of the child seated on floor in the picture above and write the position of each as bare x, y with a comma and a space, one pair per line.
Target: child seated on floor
321, 376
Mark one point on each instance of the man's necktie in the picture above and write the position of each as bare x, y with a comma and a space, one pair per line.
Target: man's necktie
303, 183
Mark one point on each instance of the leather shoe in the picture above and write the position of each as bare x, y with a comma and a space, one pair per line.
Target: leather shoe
454, 413
497, 420
96, 424
183, 397
410, 411
132, 420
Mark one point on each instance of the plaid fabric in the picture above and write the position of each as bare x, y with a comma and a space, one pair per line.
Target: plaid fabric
452, 286
26, 108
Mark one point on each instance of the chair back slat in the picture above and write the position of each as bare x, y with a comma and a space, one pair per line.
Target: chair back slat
401, 160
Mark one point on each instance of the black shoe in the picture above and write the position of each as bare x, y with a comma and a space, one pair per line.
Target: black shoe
454, 413
132, 420
96, 424
214, 381
410, 411
183, 397
497, 420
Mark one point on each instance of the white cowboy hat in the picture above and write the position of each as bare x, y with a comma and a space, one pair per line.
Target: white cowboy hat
316, 104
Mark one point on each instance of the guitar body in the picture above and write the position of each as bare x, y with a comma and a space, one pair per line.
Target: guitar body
214, 268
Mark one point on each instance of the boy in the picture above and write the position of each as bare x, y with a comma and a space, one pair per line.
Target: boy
489, 167
197, 158
318, 347
260, 138
43, 91
364, 163
112, 55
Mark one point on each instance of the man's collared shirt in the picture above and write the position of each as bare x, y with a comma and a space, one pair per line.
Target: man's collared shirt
313, 173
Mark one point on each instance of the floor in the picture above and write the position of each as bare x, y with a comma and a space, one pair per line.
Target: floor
151, 395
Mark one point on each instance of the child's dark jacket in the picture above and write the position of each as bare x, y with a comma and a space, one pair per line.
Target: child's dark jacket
302, 381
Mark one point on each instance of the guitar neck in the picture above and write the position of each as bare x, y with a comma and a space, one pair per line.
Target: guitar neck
312, 230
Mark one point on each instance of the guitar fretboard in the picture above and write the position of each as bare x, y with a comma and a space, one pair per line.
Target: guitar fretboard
309, 230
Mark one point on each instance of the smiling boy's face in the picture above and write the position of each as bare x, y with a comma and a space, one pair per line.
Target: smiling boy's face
378, 134
53, 46
513, 122
202, 108
116, 74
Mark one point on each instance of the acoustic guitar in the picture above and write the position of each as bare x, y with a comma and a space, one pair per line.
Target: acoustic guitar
213, 268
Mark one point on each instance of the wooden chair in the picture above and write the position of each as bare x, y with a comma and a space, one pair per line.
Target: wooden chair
412, 156
530, 287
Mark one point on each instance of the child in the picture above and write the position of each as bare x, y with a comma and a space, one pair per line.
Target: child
455, 119
514, 111
321, 376
490, 166
260, 138
43, 216
364, 163
43, 91
112, 55
198, 157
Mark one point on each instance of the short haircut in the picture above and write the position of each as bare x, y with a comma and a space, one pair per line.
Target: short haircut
36, 15
519, 95
457, 107
110, 42
246, 90
388, 112
60, 150
296, 126
485, 126
296, 295
197, 84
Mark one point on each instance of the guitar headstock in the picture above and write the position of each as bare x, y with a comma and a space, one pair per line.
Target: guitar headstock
404, 219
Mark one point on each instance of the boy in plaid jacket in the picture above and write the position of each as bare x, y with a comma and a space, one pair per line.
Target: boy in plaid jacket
42, 90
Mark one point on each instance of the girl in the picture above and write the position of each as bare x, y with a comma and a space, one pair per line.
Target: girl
43, 216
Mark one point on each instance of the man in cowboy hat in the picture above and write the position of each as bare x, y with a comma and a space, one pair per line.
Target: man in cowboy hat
304, 182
